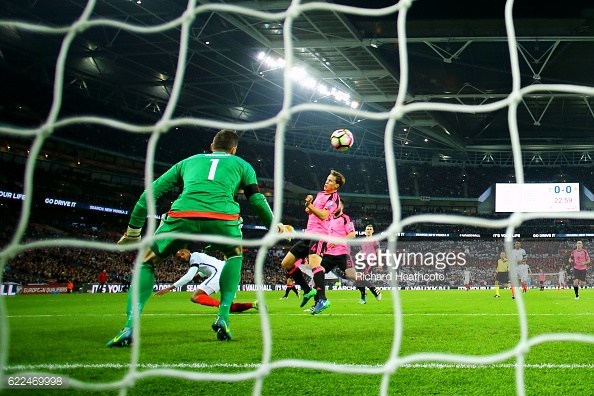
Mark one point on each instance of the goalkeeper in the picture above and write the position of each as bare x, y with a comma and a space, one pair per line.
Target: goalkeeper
206, 205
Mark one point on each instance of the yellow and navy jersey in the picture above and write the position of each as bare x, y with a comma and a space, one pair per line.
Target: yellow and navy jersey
502, 266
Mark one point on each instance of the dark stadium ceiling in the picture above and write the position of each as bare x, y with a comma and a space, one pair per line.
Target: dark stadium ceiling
458, 53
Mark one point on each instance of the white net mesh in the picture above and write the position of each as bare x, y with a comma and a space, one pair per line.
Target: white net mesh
260, 372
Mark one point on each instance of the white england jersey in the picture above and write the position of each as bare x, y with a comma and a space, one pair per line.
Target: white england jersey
208, 267
523, 270
466, 276
518, 255
561, 276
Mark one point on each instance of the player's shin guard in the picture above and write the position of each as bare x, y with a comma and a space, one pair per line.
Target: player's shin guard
230, 277
297, 275
319, 282
145, 287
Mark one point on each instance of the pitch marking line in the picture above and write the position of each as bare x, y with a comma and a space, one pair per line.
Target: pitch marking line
301, 314
32, 367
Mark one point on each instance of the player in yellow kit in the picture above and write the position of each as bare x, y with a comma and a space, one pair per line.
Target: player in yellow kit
502, 274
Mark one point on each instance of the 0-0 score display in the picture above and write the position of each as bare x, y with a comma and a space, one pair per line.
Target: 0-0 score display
537, 197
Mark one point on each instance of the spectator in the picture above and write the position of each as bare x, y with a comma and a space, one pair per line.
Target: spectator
102, 280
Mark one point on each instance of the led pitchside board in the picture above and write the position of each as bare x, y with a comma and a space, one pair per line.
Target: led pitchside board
537, 197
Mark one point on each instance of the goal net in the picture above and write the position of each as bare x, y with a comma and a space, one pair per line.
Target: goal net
258, 374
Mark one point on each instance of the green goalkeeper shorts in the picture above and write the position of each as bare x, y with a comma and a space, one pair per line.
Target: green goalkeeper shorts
165, 247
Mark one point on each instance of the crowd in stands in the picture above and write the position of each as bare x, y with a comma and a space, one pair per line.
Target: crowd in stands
303, 168
480, 257
82, 265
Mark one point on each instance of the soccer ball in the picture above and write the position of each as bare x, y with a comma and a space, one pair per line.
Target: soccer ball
342, 139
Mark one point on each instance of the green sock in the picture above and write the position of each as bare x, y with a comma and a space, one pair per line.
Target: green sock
230, 277
496, 290
146, 282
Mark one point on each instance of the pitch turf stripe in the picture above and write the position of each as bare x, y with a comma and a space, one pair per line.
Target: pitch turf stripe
257, 365
301, 314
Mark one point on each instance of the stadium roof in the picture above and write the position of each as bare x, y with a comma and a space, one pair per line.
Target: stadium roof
457, 53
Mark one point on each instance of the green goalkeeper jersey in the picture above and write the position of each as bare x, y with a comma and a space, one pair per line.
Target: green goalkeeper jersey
209, 182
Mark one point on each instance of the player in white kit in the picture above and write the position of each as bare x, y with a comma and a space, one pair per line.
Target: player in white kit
467, 279
518, 256
523, 274
210, 268
561, 284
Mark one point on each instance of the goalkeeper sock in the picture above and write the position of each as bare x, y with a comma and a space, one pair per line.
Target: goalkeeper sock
298, 277
230, 277
319, 282
146, 279
496, 290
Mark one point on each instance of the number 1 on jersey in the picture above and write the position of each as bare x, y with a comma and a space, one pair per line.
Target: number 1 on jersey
213, 168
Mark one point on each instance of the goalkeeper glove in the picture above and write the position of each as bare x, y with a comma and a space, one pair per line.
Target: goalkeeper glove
130, 236
286, 229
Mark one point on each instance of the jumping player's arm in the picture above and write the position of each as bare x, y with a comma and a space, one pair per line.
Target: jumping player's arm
320, 214
329, 208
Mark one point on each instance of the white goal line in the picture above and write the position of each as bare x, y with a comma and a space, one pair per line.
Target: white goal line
67, 366
247, 315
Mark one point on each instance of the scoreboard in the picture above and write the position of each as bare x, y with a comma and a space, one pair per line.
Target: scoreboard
537, 197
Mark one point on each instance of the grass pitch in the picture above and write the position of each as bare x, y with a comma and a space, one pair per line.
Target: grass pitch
66, 334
